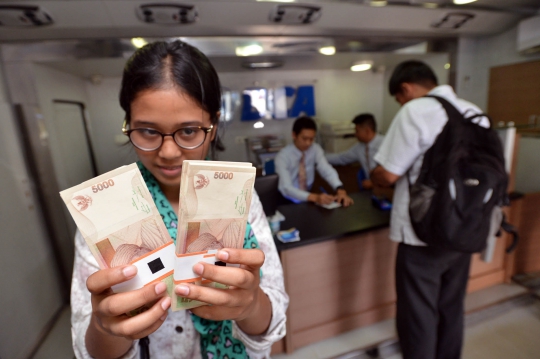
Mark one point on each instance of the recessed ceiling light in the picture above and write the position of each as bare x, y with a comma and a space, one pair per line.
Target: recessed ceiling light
362, 66
138, 42
327, 50
463, 2
378, 3
249, 50
262, 64
258, 124
447, 66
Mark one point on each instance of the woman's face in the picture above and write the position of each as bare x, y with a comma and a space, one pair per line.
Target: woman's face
167, 110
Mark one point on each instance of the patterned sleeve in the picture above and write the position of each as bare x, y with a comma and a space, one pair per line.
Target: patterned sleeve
81, 307
272, 284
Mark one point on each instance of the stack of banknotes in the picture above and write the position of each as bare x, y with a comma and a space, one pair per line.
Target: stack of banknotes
118, 219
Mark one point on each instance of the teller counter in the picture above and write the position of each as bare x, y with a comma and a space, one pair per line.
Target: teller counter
340, 275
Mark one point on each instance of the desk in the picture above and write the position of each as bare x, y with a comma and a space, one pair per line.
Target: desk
340, 275
317, 223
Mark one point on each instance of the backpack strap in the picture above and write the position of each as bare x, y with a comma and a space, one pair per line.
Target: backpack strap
508, 228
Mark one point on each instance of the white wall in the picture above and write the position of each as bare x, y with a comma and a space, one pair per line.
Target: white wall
30, 284
52, 85
476, 56
107, 117
339, 96
475, 59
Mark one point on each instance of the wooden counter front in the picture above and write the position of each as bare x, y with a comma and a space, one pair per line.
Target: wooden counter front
340, 276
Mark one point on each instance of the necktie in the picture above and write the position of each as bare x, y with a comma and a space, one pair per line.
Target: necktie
367, 170
302, 177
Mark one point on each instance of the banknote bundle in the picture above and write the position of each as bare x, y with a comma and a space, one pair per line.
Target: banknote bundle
214, 204
121, 225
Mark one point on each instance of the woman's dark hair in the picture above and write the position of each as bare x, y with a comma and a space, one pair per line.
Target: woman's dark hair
366, 119
161, 65
412, 71
303, 122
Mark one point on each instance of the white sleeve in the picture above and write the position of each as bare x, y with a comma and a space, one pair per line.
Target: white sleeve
344, 158
81, 307
324, 168
258, 347
412, 132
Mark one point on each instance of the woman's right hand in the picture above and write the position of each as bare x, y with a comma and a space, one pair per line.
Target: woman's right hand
111, 329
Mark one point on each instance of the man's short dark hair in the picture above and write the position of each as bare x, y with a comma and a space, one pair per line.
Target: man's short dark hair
303, 122
412, 71
366, 119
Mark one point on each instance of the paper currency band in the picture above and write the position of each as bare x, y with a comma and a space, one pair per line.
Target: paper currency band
183, 265
153, 266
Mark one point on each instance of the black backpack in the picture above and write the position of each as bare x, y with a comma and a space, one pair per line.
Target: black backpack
456, 201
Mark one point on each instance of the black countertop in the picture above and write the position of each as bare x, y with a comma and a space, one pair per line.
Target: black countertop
317, 224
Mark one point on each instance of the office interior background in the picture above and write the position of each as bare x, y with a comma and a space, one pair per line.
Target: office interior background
60, 121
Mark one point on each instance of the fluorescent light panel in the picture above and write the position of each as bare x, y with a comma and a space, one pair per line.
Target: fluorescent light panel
327, 50
463, 2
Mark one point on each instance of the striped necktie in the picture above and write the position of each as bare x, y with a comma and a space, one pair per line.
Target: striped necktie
302, 177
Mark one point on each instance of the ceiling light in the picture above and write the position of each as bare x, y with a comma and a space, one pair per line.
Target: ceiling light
327, 50
463, 2
378, 3
138, 42
249, 50
258, 124
361, 66
262, 64
447, 66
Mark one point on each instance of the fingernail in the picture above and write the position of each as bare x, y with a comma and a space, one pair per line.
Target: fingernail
198, 268
129, 271
223, 255
182, 290
165, 304
160, 288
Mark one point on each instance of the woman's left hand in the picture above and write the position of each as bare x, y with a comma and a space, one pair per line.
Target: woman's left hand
243, 301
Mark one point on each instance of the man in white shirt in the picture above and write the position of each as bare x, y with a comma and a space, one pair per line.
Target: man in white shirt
364, 151
430, 281
296, 164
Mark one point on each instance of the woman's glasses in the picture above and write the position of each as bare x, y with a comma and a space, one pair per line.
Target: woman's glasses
148, 139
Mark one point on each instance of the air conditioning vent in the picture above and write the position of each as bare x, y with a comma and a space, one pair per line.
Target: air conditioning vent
295, 14
167, 14
24, 15
528, 36
453, 20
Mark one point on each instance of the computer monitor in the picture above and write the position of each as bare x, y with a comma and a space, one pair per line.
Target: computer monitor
267, 189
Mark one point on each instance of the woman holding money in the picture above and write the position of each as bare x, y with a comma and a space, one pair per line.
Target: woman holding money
171, 97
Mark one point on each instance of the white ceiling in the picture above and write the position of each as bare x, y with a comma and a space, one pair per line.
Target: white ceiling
76, 19
102, 29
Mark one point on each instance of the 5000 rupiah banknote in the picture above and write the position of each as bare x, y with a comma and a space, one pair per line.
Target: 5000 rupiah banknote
121, 224
214, 206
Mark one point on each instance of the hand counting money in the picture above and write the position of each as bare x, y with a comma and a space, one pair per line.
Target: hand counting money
121, 224
214, 206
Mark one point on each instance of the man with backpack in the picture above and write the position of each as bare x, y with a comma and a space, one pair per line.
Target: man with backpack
431, 278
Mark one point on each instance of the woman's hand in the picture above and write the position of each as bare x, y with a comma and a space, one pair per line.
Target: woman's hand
111, 331
243, 301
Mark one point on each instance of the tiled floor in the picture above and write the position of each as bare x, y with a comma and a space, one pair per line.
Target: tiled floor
509, 329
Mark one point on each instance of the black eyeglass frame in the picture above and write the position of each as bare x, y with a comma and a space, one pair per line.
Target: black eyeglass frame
127, 132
